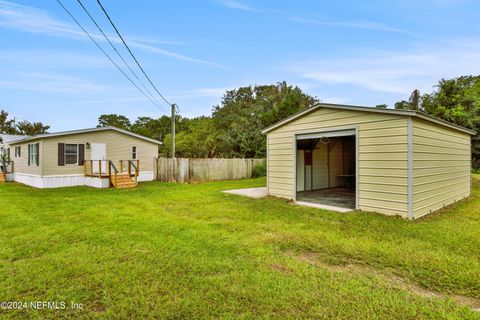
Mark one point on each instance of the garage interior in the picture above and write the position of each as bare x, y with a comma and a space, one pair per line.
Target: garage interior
326, 169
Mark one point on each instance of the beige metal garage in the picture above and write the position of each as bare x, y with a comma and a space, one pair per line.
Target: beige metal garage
396, 162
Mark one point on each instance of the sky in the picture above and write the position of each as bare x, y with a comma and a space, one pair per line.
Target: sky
349, 52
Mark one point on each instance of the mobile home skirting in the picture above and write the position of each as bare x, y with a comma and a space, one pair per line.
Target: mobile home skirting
59, 181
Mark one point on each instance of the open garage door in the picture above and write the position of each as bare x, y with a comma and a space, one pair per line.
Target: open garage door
326, 168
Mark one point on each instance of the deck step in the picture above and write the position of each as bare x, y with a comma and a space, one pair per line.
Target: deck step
123, 181
126, 187
2, 178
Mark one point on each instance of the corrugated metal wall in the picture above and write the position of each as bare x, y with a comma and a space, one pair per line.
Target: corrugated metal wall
382, 162
441, 167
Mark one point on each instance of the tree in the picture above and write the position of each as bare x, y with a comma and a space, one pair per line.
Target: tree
25, 127
414, 101
158, 128
402, 105
381, 106
245, 111
28, 128
3, 164
148, 127
196, 140
6, 125
233, 130
114, 120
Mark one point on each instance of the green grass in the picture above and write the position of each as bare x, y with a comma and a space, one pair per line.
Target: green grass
174, 251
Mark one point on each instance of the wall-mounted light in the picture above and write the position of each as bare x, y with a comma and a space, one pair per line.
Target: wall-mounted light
88, 145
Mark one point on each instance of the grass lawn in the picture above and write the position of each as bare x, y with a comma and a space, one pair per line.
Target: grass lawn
173, 251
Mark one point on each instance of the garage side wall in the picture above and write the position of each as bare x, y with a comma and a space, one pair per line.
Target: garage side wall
441, 167
382, 162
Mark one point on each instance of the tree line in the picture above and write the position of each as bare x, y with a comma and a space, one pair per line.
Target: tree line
234, 127
232, 131
24, 127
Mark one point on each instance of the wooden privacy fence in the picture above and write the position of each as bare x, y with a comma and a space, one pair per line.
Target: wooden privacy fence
203, 170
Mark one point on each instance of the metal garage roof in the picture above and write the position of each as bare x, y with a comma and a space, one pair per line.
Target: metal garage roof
410, 113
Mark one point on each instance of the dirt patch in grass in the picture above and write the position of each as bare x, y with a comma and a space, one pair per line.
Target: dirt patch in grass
394, 280
281, 268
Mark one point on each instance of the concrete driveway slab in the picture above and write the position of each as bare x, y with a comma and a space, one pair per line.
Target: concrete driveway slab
256, 193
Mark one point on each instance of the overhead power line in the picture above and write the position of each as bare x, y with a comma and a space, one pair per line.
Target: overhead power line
131, 53
106, 54
115, 49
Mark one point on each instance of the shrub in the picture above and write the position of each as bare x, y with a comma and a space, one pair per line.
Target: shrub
260, 170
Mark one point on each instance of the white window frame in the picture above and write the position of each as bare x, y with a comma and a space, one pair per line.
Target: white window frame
18, 151
134, 153
33, 154
65, 154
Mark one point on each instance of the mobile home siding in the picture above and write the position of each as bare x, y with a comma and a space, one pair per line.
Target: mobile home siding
441, 167
21, 163
382, 156
119, 147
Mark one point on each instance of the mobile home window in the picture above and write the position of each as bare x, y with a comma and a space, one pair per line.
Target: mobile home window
134, 153
18, 152
33, 156
71, 153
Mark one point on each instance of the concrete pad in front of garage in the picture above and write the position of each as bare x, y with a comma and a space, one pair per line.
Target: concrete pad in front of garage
256, 193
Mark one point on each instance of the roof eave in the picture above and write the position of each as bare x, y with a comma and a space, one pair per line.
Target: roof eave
411, 113
65, 133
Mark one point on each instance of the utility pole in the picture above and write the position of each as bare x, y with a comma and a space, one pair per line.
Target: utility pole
173, 129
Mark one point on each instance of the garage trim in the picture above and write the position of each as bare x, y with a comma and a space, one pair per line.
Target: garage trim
330, 132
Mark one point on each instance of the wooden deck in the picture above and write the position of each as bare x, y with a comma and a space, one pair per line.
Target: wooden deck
123, 176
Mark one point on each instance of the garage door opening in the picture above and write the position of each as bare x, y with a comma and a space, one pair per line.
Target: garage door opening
326, 169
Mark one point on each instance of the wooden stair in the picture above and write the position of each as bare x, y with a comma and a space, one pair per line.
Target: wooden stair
2, 177
123, 181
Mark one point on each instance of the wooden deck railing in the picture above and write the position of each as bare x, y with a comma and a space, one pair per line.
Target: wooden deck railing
108, 169
112, 168
135, 164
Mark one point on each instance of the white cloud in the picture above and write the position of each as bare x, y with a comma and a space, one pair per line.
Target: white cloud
359, 24
35, 20
234, 4
50, 59
396, 72
112, 100
50, 83
152, 49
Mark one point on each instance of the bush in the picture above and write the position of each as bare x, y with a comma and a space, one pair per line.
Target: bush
260, 170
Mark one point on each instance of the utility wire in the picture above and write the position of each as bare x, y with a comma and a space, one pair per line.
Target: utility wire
131, 53
105, 53
115, 49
